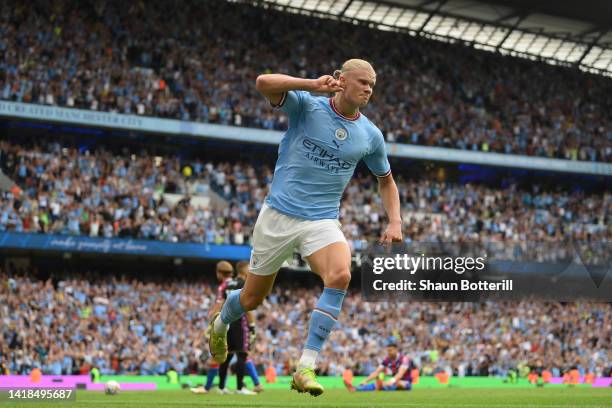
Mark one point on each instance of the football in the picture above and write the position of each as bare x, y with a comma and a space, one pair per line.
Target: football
112, 387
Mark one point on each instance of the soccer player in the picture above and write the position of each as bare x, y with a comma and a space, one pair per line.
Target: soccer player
224, 271
397, 364
239, 335
242, 269
317, 156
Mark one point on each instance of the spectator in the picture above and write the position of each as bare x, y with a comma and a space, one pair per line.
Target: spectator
127, 326
104, 194
134, 60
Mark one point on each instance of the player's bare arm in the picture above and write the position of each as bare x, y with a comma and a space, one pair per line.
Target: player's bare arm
400, 373
273, 86
390, 198
372, 376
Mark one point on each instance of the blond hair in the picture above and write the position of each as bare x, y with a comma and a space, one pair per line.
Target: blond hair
352, 65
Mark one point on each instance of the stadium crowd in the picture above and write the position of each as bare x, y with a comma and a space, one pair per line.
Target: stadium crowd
197, 66
77, 321
100, 193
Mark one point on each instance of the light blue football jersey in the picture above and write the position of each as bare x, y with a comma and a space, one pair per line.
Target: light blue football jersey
318, 155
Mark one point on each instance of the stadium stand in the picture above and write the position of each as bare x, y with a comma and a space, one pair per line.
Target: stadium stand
100, 193
108, 57
134, 60
80, 319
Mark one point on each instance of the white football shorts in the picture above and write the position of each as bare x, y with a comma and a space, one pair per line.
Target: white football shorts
277, 235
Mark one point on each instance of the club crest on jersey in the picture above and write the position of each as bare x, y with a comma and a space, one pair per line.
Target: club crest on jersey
341, 134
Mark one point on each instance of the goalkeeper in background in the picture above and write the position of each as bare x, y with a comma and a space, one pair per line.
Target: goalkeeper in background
242, 268
240, 335
224, 272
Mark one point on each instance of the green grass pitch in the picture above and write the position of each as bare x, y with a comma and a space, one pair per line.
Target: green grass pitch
428, 398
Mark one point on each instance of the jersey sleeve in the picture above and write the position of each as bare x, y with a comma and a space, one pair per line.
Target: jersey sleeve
292, 103
377, 160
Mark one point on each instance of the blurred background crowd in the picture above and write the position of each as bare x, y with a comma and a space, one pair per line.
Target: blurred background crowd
66, 190
80, 319
132, 59
196, 66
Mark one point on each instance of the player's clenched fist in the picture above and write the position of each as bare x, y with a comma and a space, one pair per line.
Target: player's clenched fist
326, 84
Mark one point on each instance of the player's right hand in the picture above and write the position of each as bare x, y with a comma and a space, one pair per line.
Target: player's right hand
327, 84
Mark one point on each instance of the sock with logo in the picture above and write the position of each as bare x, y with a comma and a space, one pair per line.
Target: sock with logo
322, 321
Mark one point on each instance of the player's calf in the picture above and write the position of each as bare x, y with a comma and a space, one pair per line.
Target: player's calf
250, 301
322, 321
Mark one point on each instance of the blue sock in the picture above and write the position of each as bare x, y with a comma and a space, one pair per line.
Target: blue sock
252, 372
232, 309
323, 317
210, 377
367, 387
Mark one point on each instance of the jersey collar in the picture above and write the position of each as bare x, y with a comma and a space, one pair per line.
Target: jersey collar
333, 106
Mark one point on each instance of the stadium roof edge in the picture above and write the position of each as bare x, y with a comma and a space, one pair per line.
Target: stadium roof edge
144, 124
594, 11
510, 27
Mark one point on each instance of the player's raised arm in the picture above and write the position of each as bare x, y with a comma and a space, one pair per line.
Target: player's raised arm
274, 86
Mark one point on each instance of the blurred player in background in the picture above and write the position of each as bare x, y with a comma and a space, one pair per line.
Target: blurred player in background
242, 269
396, 364
239, 336
224, 271
316, 159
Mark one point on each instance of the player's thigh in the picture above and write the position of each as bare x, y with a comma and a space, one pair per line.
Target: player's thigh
324, 246
274, 240
332, 263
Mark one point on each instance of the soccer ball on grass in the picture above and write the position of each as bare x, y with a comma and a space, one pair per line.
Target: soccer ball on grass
112, 387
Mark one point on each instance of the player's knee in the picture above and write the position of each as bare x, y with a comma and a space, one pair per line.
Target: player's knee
250, 301
338, 279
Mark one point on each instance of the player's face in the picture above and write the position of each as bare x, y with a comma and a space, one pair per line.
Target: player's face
223, 275
358, 86
392, 352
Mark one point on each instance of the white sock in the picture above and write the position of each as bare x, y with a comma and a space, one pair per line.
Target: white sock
219, 327
308, 359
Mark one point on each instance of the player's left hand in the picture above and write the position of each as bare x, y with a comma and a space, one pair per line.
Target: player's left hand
393, 233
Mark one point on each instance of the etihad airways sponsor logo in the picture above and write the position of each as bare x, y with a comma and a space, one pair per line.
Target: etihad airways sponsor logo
324, 158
